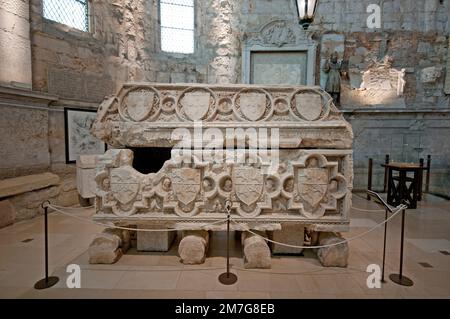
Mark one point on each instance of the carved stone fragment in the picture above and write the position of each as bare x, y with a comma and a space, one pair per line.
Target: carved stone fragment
333, 256
105, 249
256, 251
193, 246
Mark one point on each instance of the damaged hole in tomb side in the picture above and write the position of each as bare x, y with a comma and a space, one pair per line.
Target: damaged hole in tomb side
27, 240
150, 159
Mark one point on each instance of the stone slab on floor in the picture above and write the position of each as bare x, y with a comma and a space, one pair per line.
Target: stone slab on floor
24, 184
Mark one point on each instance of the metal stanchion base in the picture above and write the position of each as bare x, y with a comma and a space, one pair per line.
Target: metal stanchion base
403, 280
46, 283
227, 278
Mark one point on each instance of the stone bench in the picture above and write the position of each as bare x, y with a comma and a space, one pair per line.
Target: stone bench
21, 197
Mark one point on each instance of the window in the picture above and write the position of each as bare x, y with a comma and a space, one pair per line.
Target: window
177, 26
73, 13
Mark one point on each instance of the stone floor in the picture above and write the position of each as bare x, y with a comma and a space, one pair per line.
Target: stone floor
161, 275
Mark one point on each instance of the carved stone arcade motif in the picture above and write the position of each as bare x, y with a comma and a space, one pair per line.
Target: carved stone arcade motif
309, 185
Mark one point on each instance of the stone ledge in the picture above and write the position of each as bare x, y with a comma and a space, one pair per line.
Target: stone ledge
7, 90
24, 184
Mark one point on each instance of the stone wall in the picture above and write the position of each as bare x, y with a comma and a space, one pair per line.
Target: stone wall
15, 50
24, 129
32, 142
406, 136
123, 45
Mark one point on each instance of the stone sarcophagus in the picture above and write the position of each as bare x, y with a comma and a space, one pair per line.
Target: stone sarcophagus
281, 156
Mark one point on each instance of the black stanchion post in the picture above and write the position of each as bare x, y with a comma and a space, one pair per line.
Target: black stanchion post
386, 162
427, 182
399, 278
384, 245
47, 282
228, 278
420, 182
369, 177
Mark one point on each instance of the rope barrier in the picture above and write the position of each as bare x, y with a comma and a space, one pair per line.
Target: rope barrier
92, 206
86, 207
128, 228
311, 272
399, 209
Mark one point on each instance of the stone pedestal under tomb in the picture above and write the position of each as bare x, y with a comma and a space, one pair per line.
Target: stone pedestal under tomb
282, 158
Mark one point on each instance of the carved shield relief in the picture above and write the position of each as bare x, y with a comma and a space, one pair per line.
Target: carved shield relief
139, 104
248, 183
196, 105
312, 185
124, 184
186, 184
253, 105
309, 105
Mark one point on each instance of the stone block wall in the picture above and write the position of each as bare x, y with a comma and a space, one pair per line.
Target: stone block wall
406, 137
123, 44
24, 144
33, 142
15, 50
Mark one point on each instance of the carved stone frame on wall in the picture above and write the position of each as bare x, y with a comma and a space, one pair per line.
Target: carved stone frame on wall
279, 36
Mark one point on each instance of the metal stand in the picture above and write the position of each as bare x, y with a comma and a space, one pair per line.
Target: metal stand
384, 246
369, 177
399, 278
427, 181
386, 162
47, 282
420, 183
228, 278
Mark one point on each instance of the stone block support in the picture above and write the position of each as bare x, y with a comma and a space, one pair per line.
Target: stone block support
194, 246
333, 256
154, 241
292, 234
109, 246
256, 251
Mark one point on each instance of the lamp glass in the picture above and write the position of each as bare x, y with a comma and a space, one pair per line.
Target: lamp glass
306, 11
311, 8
